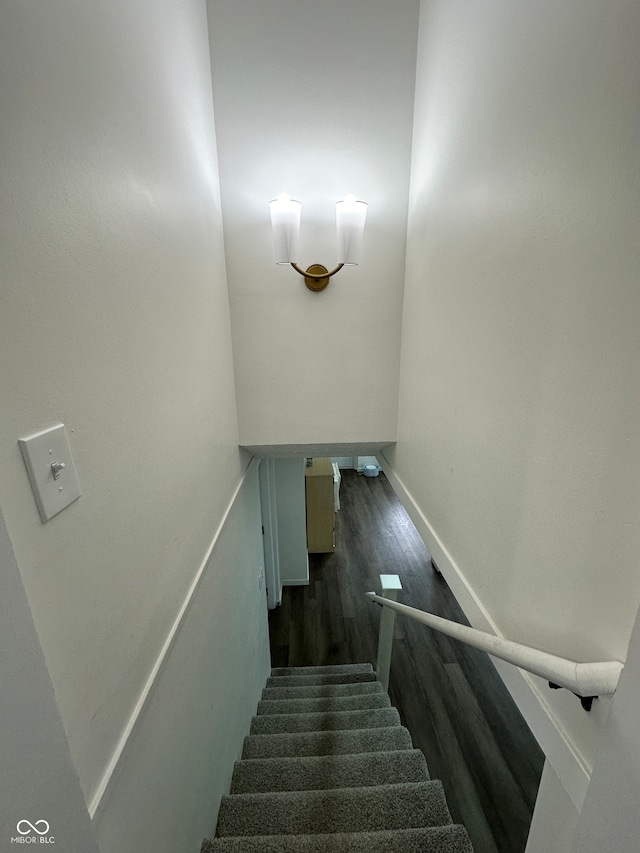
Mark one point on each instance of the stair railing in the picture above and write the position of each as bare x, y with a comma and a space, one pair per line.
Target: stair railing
586, 680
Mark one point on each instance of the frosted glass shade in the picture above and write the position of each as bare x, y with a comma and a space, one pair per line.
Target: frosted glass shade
285, 222
350, 219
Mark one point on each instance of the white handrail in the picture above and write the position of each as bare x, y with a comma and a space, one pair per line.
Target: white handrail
584, 679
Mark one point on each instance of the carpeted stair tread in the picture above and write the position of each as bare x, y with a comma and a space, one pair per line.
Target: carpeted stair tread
413, 804
332, 669
326, 743
306, 680
451, 838
315, 773
327, 768
314, 691
324, 703
324, 721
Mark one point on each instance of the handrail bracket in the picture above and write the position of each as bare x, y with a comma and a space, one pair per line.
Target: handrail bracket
585, 701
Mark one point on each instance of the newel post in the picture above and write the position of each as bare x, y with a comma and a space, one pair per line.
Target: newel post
390, 586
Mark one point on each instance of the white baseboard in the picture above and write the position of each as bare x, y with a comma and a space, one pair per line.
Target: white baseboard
301, 582
569, 764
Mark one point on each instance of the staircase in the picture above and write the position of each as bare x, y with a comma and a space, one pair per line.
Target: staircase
328, 767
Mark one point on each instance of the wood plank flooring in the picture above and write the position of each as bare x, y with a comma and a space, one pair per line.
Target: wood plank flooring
449, 695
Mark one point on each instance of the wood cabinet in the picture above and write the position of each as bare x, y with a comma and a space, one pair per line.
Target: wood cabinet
321, 516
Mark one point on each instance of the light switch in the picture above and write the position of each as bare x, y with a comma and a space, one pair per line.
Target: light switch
51, 470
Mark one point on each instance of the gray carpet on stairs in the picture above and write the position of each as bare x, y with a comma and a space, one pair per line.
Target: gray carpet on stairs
409, 805
327, 743
318, 772
309, 704
437, 839
335, 669
307, 680
325, 721
317, 690
327, 767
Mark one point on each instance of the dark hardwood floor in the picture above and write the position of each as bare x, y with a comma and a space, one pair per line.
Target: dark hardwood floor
449, 695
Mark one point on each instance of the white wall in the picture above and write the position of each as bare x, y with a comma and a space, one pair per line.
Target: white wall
38, 781
291, 510
314, 99
179, 759
555, 817
517, 439
115, 320
345, 461
610, 819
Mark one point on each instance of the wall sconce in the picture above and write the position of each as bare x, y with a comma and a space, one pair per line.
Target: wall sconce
285, 221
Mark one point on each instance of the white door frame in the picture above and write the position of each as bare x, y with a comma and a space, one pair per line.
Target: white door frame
269, 508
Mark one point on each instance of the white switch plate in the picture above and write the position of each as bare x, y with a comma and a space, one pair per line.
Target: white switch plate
40, 452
